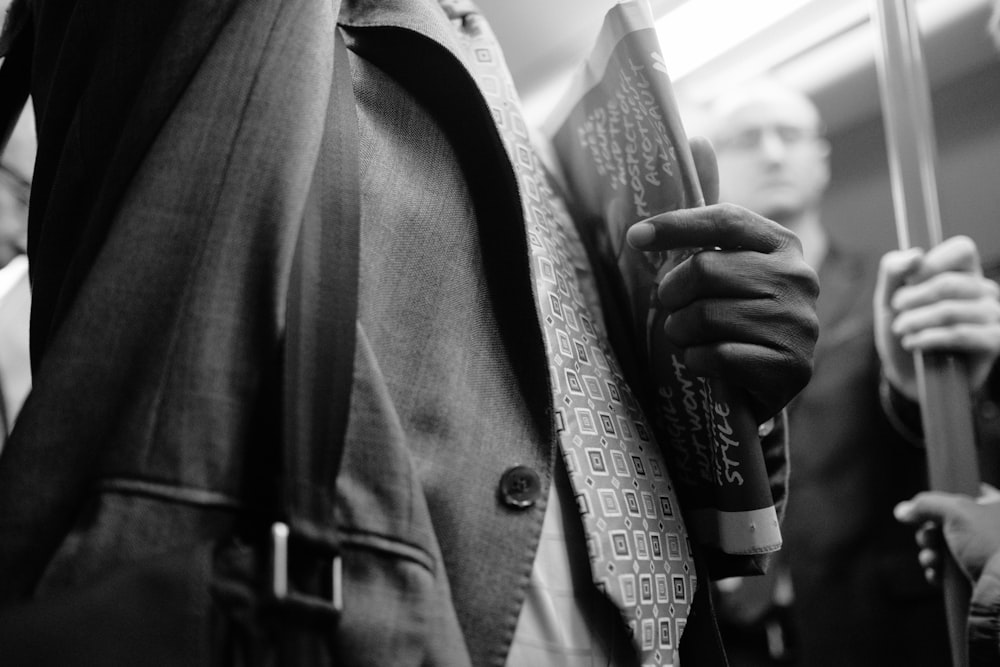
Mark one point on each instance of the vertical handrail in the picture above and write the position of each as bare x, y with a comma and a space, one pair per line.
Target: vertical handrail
942, 379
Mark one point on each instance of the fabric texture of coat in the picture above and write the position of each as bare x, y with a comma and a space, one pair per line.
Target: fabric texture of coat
176, 148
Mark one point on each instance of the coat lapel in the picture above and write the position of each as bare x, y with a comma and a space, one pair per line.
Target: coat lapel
409, 39
424, 17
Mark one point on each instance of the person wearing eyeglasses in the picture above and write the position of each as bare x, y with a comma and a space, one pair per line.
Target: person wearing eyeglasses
846, 589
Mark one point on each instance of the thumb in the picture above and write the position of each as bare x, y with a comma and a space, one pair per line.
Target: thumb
707, 167
897, 363
933, 506
988, 494
894, 269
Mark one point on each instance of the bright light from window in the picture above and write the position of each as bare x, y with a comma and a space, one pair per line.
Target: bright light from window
700, 30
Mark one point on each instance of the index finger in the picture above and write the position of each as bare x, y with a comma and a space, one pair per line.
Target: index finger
957, 253
935, 506
724, 226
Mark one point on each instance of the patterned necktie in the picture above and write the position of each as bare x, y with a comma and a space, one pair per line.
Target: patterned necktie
639, 550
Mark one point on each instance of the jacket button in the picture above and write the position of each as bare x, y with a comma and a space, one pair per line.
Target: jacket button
520, 487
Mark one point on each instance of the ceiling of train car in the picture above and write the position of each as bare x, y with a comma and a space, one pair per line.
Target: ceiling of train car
543, 38
819, 45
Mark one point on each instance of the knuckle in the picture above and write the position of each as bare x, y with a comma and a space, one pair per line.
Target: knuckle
810, 328
700, 267
945, 282
728, 216
951, 313
795, 360
796, 350
791, 240
693, 324
728, 211
798, 291
808, 280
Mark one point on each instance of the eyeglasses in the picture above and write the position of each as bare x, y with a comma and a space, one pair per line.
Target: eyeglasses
752, 138
16, 183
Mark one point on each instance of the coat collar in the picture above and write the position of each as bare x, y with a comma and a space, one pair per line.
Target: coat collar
414, 42
425, 17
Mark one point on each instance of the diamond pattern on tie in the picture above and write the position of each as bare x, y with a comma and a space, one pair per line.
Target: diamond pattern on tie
639, 550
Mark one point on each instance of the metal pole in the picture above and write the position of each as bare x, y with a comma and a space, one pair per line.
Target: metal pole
943, 381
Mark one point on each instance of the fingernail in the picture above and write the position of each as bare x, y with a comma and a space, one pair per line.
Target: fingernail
641, 234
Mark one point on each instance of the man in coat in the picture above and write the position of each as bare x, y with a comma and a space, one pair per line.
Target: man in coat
177, 143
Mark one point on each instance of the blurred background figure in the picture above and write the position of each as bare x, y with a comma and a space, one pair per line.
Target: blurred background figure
846, 588
15, 295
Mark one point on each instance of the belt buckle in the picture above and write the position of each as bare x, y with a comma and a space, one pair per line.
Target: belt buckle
283, 539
